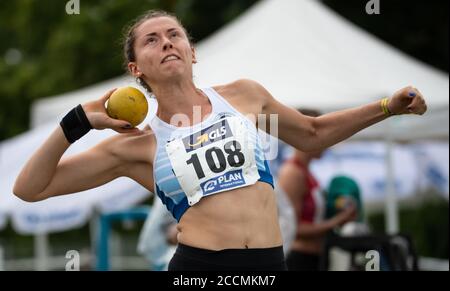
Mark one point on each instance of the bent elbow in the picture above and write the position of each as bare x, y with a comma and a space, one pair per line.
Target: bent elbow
312, 142
27, 197
24, 197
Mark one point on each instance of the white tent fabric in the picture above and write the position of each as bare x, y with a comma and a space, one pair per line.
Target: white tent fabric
302, 52
416, 167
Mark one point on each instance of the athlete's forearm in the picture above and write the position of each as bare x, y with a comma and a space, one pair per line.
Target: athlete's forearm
41, 167
315, 230
335, 127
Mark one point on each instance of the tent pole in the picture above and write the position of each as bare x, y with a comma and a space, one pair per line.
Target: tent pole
391, 210
41, 251
94, 235
2, 259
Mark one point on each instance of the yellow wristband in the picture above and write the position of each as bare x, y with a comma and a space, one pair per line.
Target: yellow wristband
384, 107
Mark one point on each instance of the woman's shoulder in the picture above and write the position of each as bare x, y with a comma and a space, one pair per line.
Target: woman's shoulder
243, 91
241, 86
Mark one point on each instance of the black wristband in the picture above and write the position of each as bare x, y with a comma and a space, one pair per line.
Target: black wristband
75, 124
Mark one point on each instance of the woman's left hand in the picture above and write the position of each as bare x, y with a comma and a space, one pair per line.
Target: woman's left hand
407, 101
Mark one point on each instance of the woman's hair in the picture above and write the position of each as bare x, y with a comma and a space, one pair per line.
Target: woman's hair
130, 38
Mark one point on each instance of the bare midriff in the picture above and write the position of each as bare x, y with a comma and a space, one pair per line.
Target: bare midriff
238, 219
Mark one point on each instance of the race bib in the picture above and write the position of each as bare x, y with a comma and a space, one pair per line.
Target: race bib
215, 159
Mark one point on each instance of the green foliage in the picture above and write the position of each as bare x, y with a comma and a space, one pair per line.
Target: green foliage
418, 28
44, 51
427, 224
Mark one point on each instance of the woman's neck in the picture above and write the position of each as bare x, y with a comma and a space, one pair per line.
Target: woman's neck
181, 98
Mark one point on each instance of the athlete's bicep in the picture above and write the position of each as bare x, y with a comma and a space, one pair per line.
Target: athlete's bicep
294, 128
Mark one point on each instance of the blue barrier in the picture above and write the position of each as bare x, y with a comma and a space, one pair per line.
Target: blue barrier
104, 224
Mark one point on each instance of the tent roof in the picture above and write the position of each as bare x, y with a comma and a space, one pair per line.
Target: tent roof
309, 56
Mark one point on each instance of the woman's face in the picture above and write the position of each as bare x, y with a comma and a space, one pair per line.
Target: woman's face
163, 52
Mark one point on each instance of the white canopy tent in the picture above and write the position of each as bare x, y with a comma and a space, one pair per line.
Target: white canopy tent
301, 51
308, 56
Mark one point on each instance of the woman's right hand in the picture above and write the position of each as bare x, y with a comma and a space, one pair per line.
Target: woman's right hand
346, 215
99, 118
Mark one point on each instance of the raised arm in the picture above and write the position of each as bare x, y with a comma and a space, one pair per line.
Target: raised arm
46, 174
317, 133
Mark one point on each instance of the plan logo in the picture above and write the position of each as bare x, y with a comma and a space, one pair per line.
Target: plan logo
223, 182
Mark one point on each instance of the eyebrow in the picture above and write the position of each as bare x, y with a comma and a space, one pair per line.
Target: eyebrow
154, 33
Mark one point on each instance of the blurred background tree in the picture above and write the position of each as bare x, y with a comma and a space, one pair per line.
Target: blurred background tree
426, 223
45, 51
418, 28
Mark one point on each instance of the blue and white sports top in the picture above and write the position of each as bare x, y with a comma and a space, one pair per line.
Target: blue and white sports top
220, 154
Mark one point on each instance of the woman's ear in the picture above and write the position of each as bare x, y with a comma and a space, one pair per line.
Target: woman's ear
134, 70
